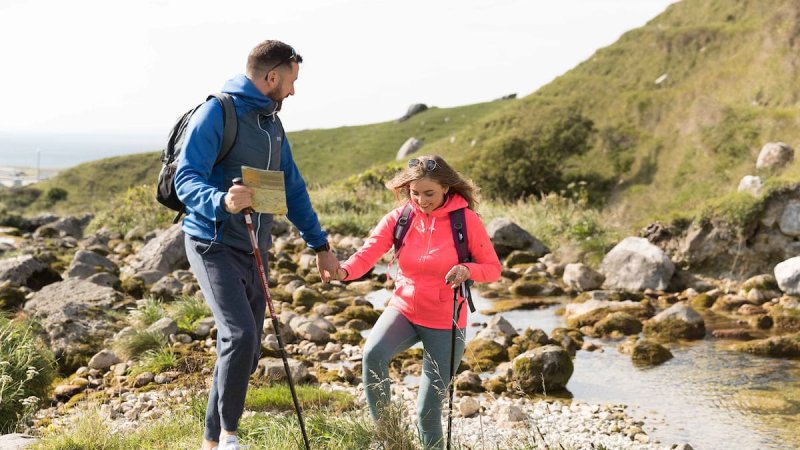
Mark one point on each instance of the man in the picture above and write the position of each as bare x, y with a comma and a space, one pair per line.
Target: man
217, 242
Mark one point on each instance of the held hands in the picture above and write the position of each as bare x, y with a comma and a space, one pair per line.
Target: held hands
328, 266
238, 198
457, 275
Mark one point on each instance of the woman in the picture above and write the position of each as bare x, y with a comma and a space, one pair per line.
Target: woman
421, 308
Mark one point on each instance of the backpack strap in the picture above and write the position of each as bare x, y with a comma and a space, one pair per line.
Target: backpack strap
458, 224
459, 227
230, 124
230, 130
402, 226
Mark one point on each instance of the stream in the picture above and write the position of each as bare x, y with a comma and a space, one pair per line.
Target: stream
707, 395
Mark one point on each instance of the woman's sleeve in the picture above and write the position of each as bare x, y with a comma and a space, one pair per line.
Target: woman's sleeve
378, 243
485, 267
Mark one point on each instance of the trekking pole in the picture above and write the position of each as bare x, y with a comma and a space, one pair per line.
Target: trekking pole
451, 388
248, 218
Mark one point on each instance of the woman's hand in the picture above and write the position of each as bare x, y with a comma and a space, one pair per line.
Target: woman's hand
457, 275
340, 274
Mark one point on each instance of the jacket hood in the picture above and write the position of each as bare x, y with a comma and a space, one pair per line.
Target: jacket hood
245, 90
453, 202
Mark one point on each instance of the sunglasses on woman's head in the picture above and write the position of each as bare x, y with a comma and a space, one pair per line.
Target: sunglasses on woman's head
428, 164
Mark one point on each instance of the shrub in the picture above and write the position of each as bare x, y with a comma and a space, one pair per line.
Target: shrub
534, 164
136, 206
26, 371
55, 195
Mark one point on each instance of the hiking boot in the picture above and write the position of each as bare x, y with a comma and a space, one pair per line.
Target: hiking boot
230, 443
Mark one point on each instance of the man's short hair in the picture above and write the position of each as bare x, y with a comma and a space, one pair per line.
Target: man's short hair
270, 55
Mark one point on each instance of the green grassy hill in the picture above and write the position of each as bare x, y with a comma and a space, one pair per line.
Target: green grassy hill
695, 92
689, 99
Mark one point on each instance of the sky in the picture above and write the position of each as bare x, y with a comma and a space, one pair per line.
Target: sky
132, 67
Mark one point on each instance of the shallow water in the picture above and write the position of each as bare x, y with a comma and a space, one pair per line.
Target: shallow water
706, 395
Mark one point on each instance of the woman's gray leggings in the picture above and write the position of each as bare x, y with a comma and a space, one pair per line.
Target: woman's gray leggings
392, 334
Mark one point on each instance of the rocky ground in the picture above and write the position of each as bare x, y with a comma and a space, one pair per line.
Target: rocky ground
94, 294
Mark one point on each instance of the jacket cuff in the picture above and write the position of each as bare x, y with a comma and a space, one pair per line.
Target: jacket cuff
219, 207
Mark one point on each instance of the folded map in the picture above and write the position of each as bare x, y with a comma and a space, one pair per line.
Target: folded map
270, 192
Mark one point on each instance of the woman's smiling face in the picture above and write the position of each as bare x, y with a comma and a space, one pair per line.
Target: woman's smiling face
427, 194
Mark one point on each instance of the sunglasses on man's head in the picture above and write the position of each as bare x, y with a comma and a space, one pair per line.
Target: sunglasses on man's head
428, 164
291, 57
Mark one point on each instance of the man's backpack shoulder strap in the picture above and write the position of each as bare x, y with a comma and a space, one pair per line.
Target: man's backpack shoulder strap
458, 224
402, 226
230, 124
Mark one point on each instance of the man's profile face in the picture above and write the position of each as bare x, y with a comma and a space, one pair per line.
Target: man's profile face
286, 75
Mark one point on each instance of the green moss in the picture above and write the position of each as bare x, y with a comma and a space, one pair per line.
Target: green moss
673, 329
484, 354
366, 313
647, 352
702, 301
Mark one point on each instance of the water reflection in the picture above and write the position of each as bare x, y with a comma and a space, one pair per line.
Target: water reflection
706, 395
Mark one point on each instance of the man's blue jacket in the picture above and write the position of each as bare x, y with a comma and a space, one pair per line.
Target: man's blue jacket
261, 142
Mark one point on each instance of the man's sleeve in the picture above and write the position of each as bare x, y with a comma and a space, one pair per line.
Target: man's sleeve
200, 149
301, 213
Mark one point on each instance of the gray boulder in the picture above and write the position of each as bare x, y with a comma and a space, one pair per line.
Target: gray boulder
163, 326
16, 441
86, 263
751, 184
409, 147
498, 329
164, 253
679, 321
581, 277
414, 109
64, 227
635, 265
167, 287
774, 155
74, 315
789, 222
103, 360
507, 236
19, 269
272, 369
787, 274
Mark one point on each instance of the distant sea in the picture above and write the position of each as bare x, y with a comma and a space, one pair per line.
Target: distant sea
64, 151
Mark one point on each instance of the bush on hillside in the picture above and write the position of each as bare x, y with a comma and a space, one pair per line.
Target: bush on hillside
18, 198
26, 371
136, 206
534, 164
55, 195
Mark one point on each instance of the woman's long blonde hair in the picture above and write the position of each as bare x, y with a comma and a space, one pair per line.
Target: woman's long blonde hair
442, 174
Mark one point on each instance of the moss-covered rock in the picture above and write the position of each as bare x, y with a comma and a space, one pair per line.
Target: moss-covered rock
677, 322
518, 257
777, 347
362, 312
785, 320
347, 336
621, 322
547, 368
532, 285
484, 354
702, 301
305, 296
647, 352
528, 340
569, 339
495, 385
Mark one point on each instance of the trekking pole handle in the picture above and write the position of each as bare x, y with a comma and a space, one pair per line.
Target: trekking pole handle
239, 182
